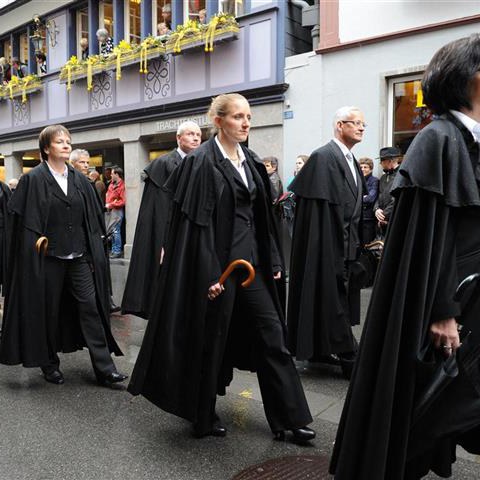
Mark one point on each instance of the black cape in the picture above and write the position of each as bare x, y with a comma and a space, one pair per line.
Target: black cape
24, 330
171, 362
432, 243
318, 311
150, 234
5, 194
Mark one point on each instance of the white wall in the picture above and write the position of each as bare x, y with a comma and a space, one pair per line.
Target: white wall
320, 84
367, 18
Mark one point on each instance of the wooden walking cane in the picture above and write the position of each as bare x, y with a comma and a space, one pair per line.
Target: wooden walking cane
235, 264
41, 245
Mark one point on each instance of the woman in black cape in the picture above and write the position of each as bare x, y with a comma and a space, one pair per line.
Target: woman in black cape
432, 244
199, 330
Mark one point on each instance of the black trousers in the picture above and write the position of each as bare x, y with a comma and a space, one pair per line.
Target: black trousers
77, 276
282, 392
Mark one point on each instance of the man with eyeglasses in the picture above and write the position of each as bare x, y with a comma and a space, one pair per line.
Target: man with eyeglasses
324, 296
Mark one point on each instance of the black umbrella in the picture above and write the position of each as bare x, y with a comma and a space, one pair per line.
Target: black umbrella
435, 371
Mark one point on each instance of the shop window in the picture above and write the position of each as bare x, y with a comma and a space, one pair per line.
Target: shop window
195, 10
233, 7
408, 113
106, 16
133, 21
161, 13
82, 33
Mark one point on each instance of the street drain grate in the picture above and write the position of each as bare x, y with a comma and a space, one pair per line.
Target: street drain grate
299, 467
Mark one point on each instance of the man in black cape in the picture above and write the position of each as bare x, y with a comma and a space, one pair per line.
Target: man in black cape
191, 344
24, 327
150, 232
433, 242
324, 296
5, 194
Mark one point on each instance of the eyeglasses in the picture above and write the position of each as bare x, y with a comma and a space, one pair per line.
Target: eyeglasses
357, 123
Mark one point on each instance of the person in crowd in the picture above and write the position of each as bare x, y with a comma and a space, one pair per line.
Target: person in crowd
369, 199
84, 48
41, 60
271, 164
57, 295
300, 161
5, 194
383, 208
324, 295
163, 31
167, 15
395, 423
94, 177
106, 45
115, 202
215, 192
12, 184
150, 232
19, 69
107, 176
5, 71
80, 160
202, 16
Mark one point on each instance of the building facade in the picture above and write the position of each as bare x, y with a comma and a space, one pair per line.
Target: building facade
371, 55
127, 121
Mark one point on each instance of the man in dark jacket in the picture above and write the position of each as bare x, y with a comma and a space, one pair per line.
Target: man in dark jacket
152, 220
389, 160
324, 292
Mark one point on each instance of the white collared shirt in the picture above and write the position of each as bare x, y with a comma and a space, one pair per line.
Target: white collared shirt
181, 153
347, 153
241, 155
61, 178
471, 125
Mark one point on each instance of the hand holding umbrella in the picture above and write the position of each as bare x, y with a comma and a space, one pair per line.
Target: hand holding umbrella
215, 290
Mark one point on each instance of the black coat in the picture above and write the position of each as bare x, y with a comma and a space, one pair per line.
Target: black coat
385, 200
150, 234
318, 311
24, 322
5, 194
432, 243
183, 321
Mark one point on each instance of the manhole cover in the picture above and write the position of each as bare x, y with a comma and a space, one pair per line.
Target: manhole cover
300, 467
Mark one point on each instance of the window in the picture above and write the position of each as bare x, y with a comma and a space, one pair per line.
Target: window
408, 115
194, 10
106, 16
23, 48
7, 50
161, 13
133, 22
233, 7
82, 33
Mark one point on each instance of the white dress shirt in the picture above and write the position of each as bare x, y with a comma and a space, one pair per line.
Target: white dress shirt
181, 153
348, 157
472, 125
61, 178
240, 167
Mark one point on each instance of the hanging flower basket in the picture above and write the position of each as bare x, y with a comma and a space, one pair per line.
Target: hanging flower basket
21, 87
192, 35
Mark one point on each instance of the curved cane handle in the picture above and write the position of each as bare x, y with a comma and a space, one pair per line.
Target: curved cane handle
41, 245
235, 264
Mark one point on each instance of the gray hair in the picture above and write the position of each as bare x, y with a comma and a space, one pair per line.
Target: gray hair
76, 154
342, 114
189, 124
102, 32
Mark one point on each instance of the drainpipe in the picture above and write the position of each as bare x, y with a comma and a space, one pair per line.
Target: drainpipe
309, 12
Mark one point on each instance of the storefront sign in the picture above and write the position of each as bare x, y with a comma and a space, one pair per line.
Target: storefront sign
172, 124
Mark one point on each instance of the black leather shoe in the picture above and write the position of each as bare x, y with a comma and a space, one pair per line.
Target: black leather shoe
216, 431
111, 379
54, 376
300, 435
303, 434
